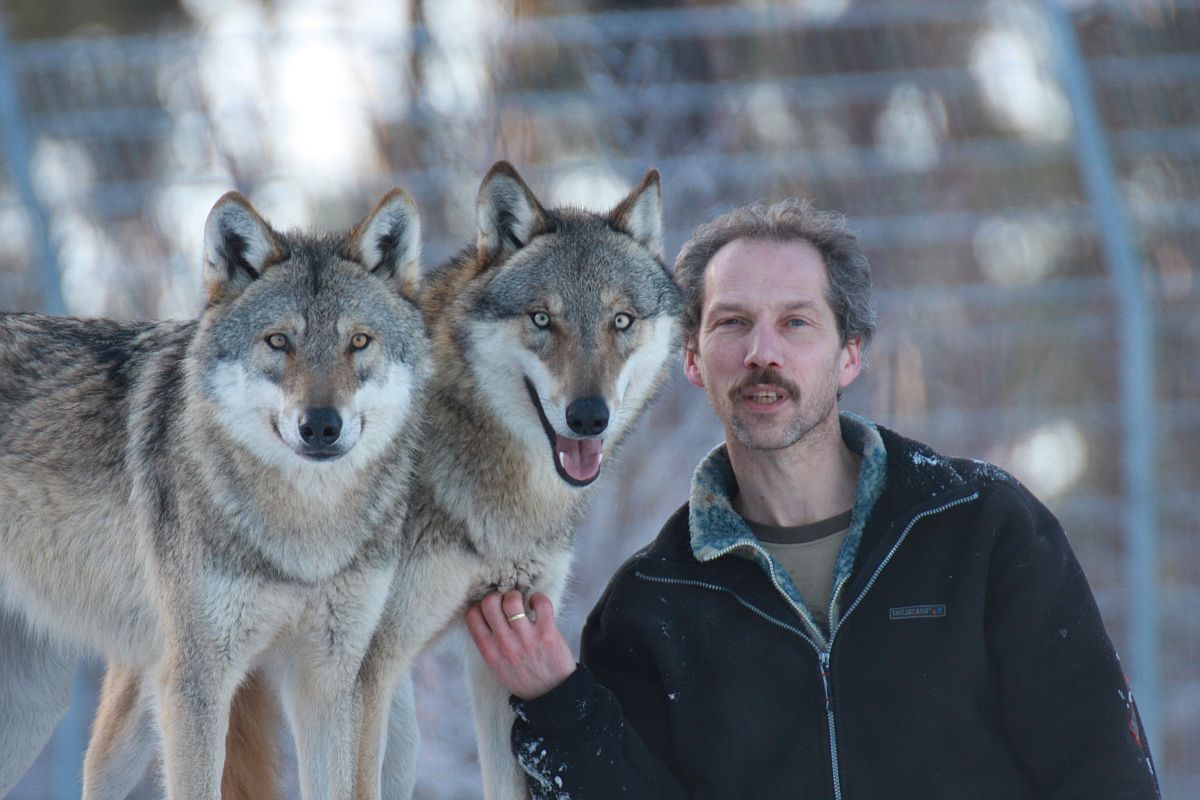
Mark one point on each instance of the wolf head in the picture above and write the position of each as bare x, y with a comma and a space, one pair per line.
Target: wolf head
310, 350
574, 318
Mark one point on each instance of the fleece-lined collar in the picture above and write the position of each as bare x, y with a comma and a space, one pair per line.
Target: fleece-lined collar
716, 529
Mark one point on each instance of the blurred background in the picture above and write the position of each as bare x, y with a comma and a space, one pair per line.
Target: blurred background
1025, 176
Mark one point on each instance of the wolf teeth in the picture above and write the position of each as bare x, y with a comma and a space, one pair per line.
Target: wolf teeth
562, 456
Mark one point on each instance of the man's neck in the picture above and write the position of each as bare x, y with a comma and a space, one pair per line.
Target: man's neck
810, 481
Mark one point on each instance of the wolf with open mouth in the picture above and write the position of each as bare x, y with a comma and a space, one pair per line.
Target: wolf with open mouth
551, 334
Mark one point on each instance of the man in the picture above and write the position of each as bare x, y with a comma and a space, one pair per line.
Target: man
838, 611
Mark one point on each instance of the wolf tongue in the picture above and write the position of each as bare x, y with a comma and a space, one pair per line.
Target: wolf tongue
579, 458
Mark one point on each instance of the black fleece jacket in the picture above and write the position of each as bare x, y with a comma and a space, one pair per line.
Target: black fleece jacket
967, 658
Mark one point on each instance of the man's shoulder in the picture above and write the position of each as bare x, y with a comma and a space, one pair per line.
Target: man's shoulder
626, 585
919, 468
672, 544
920, 477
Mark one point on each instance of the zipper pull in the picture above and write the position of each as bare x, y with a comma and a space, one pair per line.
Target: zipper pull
824, 657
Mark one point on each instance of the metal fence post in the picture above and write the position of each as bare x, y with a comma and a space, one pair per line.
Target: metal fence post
17, 154
1138, 390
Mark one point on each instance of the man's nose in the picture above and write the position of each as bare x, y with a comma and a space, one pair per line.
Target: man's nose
764, 348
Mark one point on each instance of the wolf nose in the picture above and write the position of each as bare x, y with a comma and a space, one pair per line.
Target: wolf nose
588, 416
320, 427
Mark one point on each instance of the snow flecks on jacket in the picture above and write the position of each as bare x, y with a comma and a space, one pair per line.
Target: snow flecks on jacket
534, 759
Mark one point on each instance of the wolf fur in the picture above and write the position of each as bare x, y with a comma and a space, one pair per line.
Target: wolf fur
550, 336
195, 499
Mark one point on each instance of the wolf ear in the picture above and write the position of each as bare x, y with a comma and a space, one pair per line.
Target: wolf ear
388, 242
507, 212
238, 246
640, 214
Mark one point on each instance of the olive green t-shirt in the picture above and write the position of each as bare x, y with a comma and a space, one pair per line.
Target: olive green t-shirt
808, 553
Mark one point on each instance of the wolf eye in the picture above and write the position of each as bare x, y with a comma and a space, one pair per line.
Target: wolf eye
359, 341
277, 341
622, 321
540, 319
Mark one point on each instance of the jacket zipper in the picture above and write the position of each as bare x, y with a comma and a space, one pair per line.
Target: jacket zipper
816, 639
887, 559
744, 603
823, 653
837, 626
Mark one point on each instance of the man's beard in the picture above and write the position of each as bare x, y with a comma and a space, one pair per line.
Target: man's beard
802, 421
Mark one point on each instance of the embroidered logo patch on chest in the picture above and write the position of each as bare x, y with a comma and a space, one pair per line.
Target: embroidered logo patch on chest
930, 611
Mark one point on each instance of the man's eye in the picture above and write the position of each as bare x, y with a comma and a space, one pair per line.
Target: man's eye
797, 323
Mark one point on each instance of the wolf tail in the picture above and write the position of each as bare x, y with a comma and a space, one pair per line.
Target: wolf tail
252, 770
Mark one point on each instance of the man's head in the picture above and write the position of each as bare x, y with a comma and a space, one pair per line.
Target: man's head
778, 313
846, 267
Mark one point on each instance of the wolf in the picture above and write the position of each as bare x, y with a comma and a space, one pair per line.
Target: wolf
550, 336
193, 500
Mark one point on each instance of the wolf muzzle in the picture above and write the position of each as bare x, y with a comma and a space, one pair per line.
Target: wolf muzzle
577, 460
320, 429
588, 416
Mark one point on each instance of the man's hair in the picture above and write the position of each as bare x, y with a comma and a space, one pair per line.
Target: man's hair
789, 220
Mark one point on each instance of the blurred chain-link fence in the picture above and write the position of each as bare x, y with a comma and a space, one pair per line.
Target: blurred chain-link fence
1032, 219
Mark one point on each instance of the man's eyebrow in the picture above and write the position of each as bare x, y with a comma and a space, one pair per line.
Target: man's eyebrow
802, 304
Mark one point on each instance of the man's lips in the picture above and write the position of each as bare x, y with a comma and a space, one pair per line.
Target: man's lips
765, 395
763, 390
761, 397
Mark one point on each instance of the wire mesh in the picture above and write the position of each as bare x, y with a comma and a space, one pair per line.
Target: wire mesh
942, 129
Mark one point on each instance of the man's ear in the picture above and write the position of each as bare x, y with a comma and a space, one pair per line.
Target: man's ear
640, 214
507, 213
238, 246
691, 362
851, 362
388, 242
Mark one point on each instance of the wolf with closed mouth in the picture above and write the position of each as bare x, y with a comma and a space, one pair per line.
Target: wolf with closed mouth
551, 334
196, 499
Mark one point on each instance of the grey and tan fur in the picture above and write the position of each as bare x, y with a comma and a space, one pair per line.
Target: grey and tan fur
193, 500
550, 337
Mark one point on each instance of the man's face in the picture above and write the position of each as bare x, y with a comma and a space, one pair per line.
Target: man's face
767, 350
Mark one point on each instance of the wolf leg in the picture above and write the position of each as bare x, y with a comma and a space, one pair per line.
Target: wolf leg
36, 676
422, 602
403, 742
373, 703
252, 744
503, 778
194, 695
319, 673
386, 764
324, 727
122, 742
